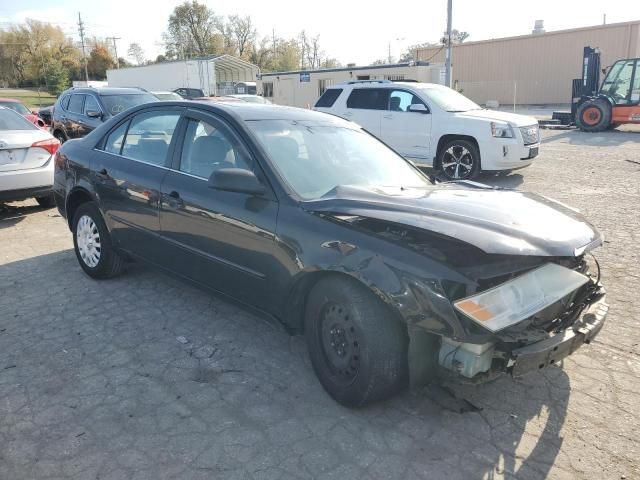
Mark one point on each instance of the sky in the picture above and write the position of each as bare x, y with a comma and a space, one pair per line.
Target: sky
353, 32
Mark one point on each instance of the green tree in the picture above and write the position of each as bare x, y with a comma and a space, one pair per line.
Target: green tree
57, 79
191, 30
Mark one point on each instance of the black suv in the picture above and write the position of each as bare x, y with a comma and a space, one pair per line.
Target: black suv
79, 110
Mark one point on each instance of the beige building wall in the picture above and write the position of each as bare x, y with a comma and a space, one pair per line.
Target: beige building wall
288, 89
534, 69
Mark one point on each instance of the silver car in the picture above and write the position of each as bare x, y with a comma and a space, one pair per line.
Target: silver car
26, 159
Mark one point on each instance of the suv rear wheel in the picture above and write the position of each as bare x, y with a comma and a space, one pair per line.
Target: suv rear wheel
459, 159
60, 136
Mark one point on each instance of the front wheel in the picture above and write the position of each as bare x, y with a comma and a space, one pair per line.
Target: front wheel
357, 346
594, 115
459, 160
92, 243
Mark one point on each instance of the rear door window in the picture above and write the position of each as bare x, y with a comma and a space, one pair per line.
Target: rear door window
76, 103
149, 136
368, 98
329, 97
113, 142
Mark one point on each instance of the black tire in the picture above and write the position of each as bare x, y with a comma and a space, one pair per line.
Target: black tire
594, 115
459, 159
110, 263
60, 136
47, 202
343, 315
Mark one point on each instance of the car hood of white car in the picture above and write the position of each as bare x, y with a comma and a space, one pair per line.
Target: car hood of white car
496, 115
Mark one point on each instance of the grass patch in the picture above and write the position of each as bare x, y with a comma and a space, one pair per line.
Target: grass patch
29, 97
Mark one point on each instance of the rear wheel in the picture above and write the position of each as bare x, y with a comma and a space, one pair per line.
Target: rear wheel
47, 202
459, 159
358, 348
594, 115
92, 243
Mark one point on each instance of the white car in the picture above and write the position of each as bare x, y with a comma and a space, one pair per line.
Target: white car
26, 160
435, 126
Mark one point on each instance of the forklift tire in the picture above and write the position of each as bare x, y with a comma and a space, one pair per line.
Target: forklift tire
594, 115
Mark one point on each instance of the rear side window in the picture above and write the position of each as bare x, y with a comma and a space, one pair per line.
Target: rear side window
149, 136
10, 120
65, 102
113, 142
368, 98
329, 97
75, 104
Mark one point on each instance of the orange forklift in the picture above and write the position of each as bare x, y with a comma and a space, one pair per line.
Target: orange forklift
595, 107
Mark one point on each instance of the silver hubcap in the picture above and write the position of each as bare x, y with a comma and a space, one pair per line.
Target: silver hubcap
457, 162
88, 240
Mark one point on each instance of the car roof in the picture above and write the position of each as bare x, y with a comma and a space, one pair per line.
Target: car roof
10, 100
107, 90
258, 111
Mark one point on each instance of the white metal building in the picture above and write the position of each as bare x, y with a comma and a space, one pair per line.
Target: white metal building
215, 75
302, 88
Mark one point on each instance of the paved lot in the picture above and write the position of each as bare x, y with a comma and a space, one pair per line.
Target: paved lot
146, 377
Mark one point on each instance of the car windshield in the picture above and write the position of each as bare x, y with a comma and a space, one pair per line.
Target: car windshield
10, 120
315, 157
16, 107
448, 99
119, 103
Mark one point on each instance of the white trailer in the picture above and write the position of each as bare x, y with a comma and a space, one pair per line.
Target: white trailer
215, 75
302, 88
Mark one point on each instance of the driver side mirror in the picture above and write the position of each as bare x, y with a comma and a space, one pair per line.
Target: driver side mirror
418, 108
94, 114
236, 180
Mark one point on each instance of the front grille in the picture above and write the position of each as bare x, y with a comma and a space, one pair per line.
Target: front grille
530, 134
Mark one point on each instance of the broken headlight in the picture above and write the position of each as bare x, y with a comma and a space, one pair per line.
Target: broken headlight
521, 297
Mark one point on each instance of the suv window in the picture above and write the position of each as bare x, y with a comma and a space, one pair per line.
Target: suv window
75, 103
149, 136
117, 103
207, 148
368, 98
90, 103
329, 97
65, 102
400, 100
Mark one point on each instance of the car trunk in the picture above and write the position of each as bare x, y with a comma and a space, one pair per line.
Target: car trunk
17, 152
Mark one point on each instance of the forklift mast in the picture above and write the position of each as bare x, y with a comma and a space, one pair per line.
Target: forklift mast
588, 85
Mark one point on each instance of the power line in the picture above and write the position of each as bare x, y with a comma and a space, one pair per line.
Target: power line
84, 55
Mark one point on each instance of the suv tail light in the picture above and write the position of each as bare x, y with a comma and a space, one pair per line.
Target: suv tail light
51, 145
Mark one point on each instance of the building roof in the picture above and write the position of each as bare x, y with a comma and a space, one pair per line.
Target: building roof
536, 35
222, 61
349, 69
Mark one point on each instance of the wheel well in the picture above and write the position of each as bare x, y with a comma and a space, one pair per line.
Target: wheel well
60, 131
446, 138
76, 198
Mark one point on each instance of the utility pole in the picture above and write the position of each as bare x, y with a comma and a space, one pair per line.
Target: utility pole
115, 49
84, 54
448, 40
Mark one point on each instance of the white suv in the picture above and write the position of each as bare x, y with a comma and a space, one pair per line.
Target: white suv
435, 126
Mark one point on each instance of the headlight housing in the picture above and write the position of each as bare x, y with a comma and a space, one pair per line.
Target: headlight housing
520, 298
501, 130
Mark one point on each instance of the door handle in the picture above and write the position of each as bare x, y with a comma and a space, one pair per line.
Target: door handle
387, 116
173, 201
348, 114
174, 195
103, 172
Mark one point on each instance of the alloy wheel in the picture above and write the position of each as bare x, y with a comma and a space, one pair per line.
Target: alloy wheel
457, 162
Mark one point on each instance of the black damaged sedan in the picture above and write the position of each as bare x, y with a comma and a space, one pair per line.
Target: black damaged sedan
307, 218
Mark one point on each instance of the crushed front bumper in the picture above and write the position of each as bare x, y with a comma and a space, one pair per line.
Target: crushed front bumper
539, 355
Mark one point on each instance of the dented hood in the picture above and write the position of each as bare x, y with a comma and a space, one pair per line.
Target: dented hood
497, 221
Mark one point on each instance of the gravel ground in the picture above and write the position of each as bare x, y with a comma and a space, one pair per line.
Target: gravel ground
144, 376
